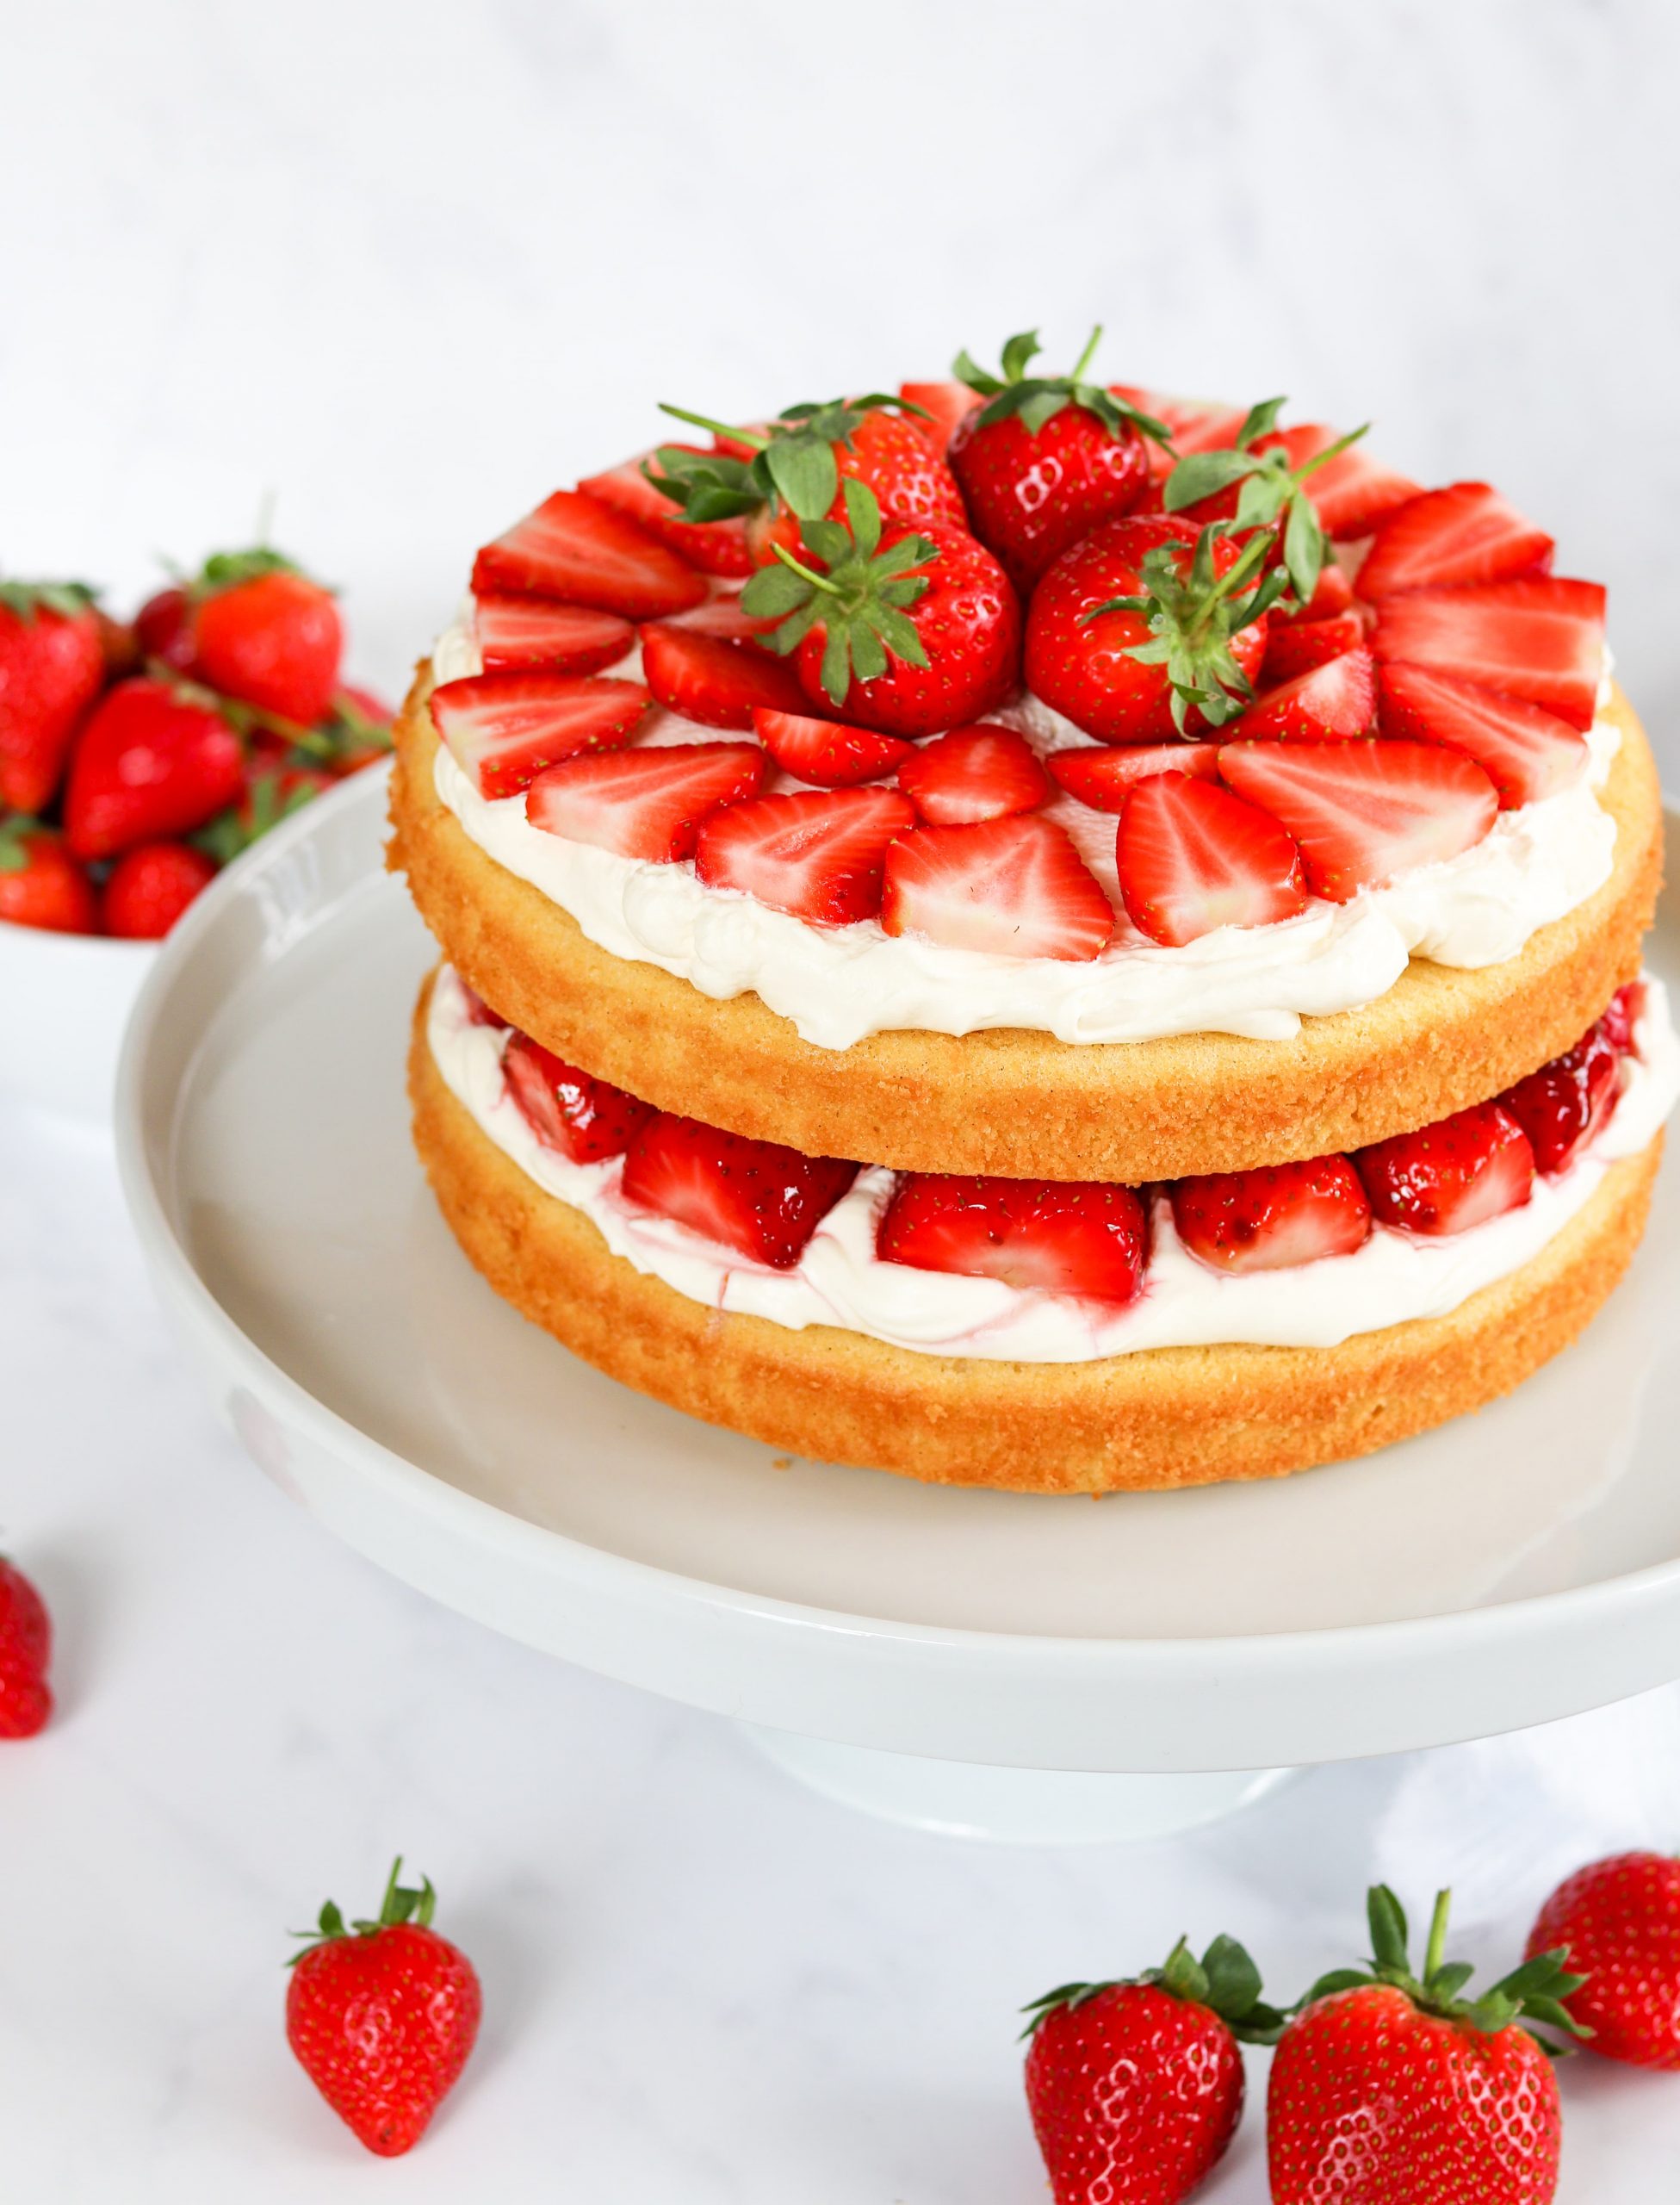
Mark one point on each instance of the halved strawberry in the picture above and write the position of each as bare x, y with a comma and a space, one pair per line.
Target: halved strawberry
1563, 1105
1070, 1236
1455, 537
973, 773
1011, 888
647, 803
576, 1115
1297, 647
479, 1012
1626, 1009
1197, 423
716, 682
1455, 1174
1541, 638
1363, 811
1527, 752
1104, 778
943, 403
716, 546
1338, 698
502, 729
1193, 857
536, 632
1333, 595
817, 854
722, 615
755, 1196
1273, 1218
575, 547
829, 754
1350, 492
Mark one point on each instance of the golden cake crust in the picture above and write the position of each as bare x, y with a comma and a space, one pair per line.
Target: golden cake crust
1020, 1104
1160, 1417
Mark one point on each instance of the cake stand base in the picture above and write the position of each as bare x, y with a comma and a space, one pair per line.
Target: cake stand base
1012, 1806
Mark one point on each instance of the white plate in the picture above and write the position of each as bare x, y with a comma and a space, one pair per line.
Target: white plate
1516, 1566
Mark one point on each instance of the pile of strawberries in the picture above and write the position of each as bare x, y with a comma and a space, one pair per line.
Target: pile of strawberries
136, 758
1084, 1236
1300, 674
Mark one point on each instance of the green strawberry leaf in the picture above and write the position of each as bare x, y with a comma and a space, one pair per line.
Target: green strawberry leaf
1038, 398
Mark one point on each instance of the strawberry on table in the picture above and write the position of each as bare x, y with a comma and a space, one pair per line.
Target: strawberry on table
1105, 777
645, 802
1148, 628
576, 1115
1452, 1176
755, 1196
1364, 809
1193, 857
1566, 1103
1337, 699
1042, 459
1012, 887
1396, 2089
537, 635
151, 886
829, 754
1274, 1217
152, 763
1082, 1237
1540, 637
575, 547
26, 1649
1135, 2088
262, 631
714, 681
908, 629
1297, 647
1464, 534
502, 729
815, 853
382, 2016
1527, 753
1618, 1921
52, 667
42, 885
973, 773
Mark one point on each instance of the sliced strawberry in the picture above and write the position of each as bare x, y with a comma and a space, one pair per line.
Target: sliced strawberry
1526, 751
1104, 777
829, 754
575, 547
479, 1012
1457, 537
714, 681
1275, 1218
1455, 1174
568, 1111
1541, 638
716, 546
1197, 423
973, 773
647, 803
1626, 1007
1566, 1103
1338, 698
1056, 1236
502, 729
943, 403
817, 854
1352, 492
755, 1196
1332, 595
535, 633
1011, 888
1193, 857
1297, 647
1363, 811
722, 615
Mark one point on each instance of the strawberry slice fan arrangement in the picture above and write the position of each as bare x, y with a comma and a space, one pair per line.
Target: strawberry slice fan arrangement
1029, 932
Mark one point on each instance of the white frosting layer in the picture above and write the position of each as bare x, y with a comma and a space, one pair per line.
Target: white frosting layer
839, 1280
837, 985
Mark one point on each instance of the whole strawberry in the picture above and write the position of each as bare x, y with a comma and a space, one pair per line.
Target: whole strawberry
52, 667
382, 2015
151, 886
26, 1647
264, 633
1620, 1921
1392, 2088
154, 761
40, 884
1136, 2088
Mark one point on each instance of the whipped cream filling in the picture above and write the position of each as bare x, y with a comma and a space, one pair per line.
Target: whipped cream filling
839, 985
839, 1280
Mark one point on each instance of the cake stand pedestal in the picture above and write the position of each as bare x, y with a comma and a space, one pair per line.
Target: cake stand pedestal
999, 1664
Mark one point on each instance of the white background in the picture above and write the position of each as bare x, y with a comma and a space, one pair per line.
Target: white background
407, 268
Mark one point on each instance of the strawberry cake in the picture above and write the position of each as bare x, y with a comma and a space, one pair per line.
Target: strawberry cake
1032, 934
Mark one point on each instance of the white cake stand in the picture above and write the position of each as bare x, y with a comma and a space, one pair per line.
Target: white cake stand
1037, 1669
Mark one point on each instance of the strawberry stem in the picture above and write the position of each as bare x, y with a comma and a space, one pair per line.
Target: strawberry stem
1435, 1951
1085, 357
816, 580
718, 428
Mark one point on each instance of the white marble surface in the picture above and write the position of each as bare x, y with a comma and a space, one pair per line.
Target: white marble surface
702, 1982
